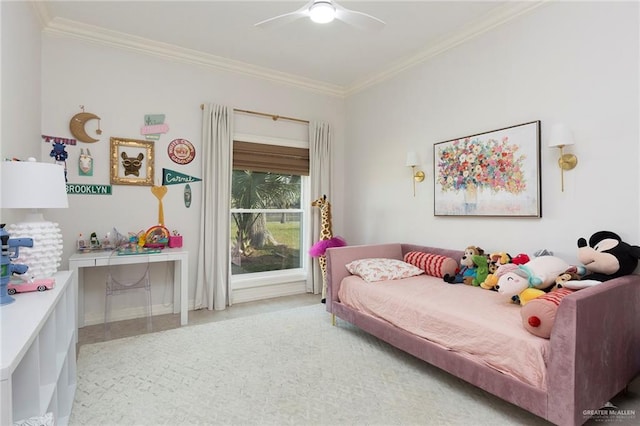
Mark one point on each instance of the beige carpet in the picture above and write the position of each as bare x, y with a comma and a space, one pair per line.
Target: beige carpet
282, 368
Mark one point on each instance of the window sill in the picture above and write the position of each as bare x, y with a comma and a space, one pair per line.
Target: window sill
260, 279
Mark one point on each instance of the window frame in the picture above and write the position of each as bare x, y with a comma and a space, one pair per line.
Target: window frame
284, 276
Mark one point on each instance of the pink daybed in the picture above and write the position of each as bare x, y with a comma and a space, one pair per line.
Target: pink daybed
593, 352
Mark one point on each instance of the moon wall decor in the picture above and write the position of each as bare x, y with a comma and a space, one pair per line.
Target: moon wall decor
77, 126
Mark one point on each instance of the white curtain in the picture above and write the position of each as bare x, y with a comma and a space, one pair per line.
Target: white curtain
320, 140
212, 284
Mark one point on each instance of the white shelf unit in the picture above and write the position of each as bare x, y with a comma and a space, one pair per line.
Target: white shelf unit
39, 337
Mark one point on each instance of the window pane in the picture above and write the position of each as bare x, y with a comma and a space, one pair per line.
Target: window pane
266, 222
258, 190
265, 242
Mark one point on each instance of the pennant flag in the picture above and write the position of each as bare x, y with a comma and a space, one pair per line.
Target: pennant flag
171, 177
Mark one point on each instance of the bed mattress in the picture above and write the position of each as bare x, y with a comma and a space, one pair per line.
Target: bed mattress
476, 323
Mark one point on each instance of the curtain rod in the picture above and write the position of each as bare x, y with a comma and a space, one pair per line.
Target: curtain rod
264, 114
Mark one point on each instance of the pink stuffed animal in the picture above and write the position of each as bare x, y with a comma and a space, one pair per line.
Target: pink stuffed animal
539, 273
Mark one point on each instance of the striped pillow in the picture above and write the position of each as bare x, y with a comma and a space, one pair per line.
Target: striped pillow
539, 314
435, 265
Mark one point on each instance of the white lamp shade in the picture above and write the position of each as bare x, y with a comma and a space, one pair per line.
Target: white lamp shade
412, 159
560, 136
33, 185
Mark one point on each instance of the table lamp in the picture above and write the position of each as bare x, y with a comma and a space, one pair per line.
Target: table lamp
32, 185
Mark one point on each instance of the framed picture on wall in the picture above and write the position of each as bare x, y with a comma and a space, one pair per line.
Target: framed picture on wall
131, 162
496, 173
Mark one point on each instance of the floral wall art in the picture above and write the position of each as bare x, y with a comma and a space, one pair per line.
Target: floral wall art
495, 173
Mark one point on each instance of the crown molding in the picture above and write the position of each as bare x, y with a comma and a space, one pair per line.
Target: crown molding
69, 28
491, 20
42, 12
94, 34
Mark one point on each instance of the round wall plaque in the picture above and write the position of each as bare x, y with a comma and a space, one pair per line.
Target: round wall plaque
181, 151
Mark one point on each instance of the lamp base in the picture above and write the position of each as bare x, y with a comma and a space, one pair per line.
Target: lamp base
44, 258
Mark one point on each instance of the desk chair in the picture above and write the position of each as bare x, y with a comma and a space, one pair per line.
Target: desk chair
124, 278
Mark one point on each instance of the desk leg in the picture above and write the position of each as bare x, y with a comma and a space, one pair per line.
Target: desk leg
177, 286
182, 270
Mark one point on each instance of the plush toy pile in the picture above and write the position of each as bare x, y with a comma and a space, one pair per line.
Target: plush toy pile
540, 284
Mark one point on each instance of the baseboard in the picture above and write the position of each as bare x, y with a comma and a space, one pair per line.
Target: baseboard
237, 296
267, 292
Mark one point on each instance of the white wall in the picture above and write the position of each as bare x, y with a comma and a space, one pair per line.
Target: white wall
21, 66
568, 62
121, 87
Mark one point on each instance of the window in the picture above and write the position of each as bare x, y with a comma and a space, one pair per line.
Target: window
269, 207
266, 222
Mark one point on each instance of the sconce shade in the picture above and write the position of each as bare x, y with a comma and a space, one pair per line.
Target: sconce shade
560, 136
32, 185
412, 159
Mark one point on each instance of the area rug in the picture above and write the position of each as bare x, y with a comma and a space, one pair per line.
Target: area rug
289, 367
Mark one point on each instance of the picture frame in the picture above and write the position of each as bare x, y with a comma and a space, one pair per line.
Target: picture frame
131, 162
494, 173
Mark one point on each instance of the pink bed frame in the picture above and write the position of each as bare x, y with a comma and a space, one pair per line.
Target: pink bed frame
595, 343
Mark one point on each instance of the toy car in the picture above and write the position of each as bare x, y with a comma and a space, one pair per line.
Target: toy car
37, 285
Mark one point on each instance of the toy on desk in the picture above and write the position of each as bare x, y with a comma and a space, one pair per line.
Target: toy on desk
93, 241
175, 240
94, 244
9, 268
157, 237
136, 249
36, 285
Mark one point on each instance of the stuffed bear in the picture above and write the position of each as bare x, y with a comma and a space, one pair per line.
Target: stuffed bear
605, 257
467, 271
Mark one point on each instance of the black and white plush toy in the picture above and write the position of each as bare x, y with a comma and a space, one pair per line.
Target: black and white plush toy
605, 257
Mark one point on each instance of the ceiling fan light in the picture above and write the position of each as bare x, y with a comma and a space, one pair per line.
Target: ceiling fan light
322, 12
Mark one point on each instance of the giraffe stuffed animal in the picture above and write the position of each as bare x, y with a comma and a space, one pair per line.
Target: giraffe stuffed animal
326, 241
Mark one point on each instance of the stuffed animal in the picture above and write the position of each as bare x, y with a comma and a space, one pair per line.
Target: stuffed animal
539, 314
467, 271
482, 269
573, 273
500, 258
490, 282
605, 257
528, 294
495, 261
539, 273
520, 259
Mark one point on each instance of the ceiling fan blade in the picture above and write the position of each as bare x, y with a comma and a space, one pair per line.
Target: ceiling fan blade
286, 18
359, 20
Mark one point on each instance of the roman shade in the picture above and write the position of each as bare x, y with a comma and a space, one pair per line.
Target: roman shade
260, 157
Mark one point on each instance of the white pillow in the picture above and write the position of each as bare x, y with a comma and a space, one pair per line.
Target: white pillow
378, 269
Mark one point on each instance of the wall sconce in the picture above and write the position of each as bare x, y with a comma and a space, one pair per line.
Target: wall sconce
560, 137
412, 161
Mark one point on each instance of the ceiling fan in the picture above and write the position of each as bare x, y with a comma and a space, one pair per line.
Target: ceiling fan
325, 11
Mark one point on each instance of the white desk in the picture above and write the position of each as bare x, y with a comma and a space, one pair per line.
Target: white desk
180, 257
